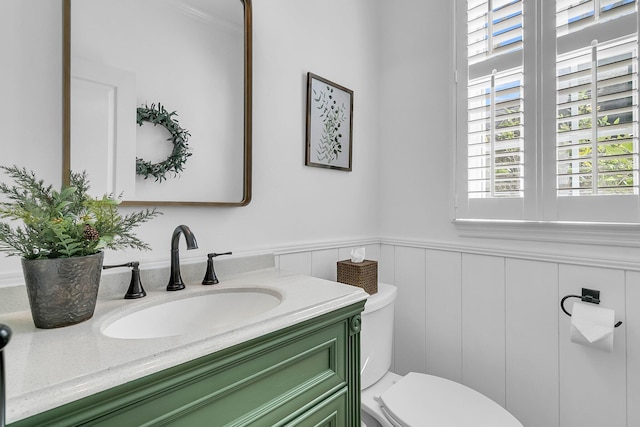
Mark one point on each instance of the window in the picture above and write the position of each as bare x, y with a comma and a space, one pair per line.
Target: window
547, 110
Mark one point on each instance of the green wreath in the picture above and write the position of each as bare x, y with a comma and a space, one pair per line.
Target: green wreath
179, 136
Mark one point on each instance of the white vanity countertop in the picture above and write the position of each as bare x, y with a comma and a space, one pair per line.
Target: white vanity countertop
47, 368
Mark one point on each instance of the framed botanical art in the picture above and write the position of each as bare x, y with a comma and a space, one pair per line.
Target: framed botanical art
329, 124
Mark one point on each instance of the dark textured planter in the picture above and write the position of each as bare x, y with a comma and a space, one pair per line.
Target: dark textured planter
62, 291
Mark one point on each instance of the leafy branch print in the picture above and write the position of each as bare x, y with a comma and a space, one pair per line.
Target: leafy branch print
332, 116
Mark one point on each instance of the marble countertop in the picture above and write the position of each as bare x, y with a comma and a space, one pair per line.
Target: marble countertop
46, 368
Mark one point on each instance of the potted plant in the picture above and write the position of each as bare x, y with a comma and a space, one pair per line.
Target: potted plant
61, 242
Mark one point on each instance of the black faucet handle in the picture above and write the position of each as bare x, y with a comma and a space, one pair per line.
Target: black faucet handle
135, 290
126, 264
135, 285
213, 255
210, 277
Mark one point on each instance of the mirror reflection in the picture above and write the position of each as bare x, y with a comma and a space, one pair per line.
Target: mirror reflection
159, 99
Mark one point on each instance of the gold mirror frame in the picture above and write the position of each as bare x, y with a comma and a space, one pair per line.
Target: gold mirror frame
248, 69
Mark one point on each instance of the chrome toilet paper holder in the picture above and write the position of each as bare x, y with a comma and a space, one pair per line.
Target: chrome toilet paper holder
588, 295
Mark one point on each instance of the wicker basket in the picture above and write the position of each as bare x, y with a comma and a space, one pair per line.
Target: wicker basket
361, 274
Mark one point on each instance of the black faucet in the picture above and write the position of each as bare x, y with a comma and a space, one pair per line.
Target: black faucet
175, 280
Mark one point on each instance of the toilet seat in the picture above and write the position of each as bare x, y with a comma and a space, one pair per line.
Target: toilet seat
419, 400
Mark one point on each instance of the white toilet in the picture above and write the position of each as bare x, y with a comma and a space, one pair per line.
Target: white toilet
415, 400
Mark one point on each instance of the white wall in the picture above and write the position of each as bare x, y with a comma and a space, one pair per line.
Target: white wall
31, 111
292, 203
416, 138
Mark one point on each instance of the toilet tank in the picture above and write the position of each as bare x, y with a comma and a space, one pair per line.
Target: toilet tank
376, 334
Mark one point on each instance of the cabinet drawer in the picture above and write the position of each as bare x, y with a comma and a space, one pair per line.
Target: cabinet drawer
260, 389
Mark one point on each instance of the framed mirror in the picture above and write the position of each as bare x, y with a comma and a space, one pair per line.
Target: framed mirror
157, 99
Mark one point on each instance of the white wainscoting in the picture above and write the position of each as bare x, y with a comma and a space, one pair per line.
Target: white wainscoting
493, 322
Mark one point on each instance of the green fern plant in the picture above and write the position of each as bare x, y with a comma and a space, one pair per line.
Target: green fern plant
63, 224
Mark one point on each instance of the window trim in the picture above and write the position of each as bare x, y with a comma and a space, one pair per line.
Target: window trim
590, 233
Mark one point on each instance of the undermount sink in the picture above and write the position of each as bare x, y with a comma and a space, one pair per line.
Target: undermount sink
193, 314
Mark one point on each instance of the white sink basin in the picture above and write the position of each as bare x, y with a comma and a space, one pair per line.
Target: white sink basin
193, 314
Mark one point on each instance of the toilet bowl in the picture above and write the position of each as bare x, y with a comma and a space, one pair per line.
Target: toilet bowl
416, 399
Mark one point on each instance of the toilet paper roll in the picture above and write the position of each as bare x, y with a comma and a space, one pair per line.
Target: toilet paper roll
592, 325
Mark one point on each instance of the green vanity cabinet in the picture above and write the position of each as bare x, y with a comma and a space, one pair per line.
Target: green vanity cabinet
304, 375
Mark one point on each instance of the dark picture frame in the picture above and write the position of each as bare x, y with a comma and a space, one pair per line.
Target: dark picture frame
329, 141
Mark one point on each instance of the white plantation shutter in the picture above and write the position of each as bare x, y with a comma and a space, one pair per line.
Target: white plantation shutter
495, 135
573, 15
597, 110
495, 149
548, 126
493, 27
600, 159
